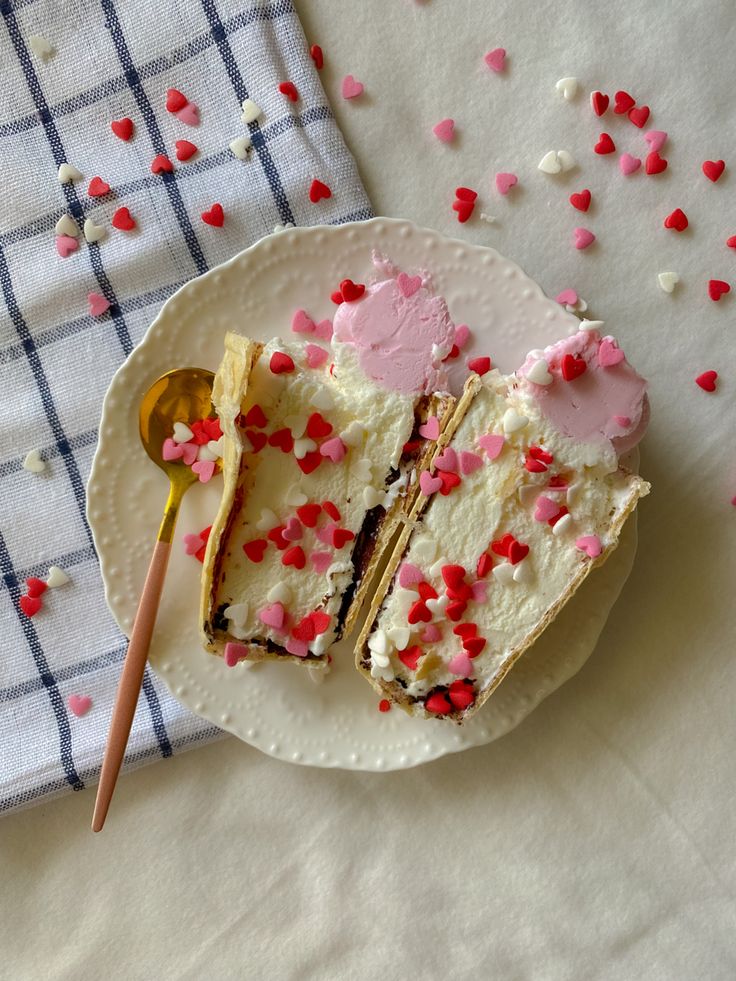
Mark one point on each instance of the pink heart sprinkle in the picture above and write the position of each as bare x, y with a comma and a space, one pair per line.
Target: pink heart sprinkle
297, 647
316, 355
192, 543
656, 139
325, 534
628, 164
79, 704
447, 460
623, 421
272, 616
582, 238
334, 448
496, 59
409, 575
431, 428
321, 561
234, 653
546, 508
302, 323
171, 450
590, 544
189, 452
66, 244
480, 591
323, 330
189, 114
492, 444
445, 130
462, 333
429, 484
504, 182
408, 284
205, 469
293, 530
97, 304
461, 665
431, 634
351, 87
567, 297
470, 462
609, 354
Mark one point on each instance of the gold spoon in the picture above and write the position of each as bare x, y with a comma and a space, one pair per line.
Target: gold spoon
183, 395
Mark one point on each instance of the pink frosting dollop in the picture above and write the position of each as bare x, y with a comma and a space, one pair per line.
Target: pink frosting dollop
400, 339
606, 403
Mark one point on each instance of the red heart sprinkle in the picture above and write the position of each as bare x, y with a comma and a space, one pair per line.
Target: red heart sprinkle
534, 466
31, 605
304, 630
200, 436
480, 365
200, 553
731, 242
502, 545
453, 575
537, 453
308, 514
36, 586
341, 536
449, 480
677, 220
454, 353
460, 592
310, 461
184, 149
639, 115
555, 518
623, 102
161, 164
426, 591
655, 164
123, 220
257, 440
455, 610
318, 190
283, 439
329, 508
466, 194
276, 535
465, 630
97, 187
517, 552
410, 657
351, 291
175, 100
122, 128
461, 698
256, 417
437, 704
321, 621
572, 367
599, 102
317, 426
384, 705
281, 363
713, 169
294, 556
317, 57
419, 612
464, 210
707, 381
336, 297
289, 90
716, 289
211, 426
580, 200
484, 565
474, 645
215, 216
605, 144
255, 549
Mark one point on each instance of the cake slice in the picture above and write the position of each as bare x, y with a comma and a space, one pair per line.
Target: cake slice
537, 500
323, 436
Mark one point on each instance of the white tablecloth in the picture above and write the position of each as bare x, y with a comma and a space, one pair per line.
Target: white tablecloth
596, 841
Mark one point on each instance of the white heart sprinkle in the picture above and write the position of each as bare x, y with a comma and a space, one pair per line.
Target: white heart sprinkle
513, 421
320, 644
362, 470
205, 453
574, 493
438, 606
251, 111
539, 373
568, 87
322, 399
504, 573
424, 549
527, 494
240, 146
217, 446
68, 173
550, 164
268, 519
66, 225
523, 572
380, 660
33, 462
56, 577
303, 446
297, 425
440, 352
378, 642
354, 434
563, 525
42, 48
92, 232
182, 433
399, 637
567, 161
591, 324
372, 497
435, 570
668, 281
237, 613
295, 497
280, 593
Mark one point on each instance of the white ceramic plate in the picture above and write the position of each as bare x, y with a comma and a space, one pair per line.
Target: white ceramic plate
278, 708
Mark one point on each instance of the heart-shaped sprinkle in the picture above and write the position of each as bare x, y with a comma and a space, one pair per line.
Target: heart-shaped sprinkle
182, 432
204, 469
79, 705
56, 577
192, 543
175, 100
623, 102
492, 444
190, 453
33, 462
65, 245
240, 146
351, 87
341, 537
280, 363
590, 544
318, 191
668, 280
707, 381
430, 429
302, 323
30, 605
656, 138
303, 447
431, 634
409, 575
315, 53
317, 426
462, 335
480, 365
35, 587
655, 164
215, 216
677, 220
599, 102
251, 111
461, 665
351, 291
97, 304
122, 128
567, 161
123, 220
539, 373
469, 462
572, 367
293, 530
67, 173
294, 556
321, 561
437, 704
92, 232
568, 87
713, 169
255, 549
161, 164
717, 288
234, 653
188, 114
582, 238
513, 421
323, 330
505, 181
580, 200
273, 616
299, 648
447, 460
333, 448
429, 484
98, 188
604, 145
568, 296
407, 284
550, 163
444, 130
449, 480
316, 355
419, 613
628, 164
609, 353
517, 552
308, 514
464, 209
545, 508
67, 226
289, 90
639, 116
731, 242
410, 657
258, 440
184, 149
496, 59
